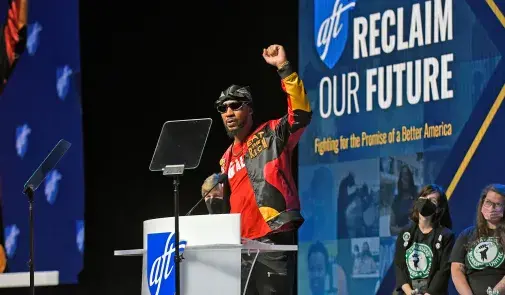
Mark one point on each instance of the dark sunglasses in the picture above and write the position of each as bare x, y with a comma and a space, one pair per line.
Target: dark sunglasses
234, 106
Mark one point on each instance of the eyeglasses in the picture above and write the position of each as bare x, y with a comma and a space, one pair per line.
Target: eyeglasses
234, 106
489, 204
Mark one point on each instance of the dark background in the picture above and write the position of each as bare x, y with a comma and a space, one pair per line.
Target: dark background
144, 63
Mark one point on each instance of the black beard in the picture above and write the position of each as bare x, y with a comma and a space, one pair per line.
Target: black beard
233, 133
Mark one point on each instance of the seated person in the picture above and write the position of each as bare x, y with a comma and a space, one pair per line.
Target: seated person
214, 199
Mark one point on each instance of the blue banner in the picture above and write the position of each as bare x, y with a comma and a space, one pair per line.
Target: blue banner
403, 93
41, 105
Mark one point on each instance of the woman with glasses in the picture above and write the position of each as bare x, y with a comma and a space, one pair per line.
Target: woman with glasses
423, 248
477, 258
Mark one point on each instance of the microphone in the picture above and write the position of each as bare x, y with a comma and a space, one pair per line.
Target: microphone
222, 177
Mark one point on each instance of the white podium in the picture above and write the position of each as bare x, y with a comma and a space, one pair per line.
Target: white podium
22, 279
211, 246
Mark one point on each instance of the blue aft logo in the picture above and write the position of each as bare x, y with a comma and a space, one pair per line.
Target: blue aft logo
331, 28
161, 262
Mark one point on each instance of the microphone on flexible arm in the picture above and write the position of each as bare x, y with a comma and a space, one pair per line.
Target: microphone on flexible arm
221, 178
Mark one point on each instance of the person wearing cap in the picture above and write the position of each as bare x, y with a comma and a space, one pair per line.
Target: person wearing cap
258, 164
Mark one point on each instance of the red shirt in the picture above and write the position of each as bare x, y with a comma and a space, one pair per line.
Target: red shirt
242, 198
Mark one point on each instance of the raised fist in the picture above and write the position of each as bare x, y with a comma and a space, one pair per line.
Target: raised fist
275, 55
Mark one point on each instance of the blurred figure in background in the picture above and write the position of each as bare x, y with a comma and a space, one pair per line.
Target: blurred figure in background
214, 199
407, 192
385, 211
364, 262
320, 272
316, 203
343, 201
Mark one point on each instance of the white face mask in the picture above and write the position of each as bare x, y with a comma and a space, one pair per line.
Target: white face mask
493, 215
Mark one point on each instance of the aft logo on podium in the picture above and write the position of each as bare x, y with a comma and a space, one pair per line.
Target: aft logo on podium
161, 262
331, 28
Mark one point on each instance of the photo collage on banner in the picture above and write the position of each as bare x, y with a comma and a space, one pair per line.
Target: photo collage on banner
391, 85
39, 106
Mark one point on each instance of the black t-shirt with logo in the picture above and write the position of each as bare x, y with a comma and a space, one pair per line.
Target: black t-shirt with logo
422, 260
419, 256
482, 258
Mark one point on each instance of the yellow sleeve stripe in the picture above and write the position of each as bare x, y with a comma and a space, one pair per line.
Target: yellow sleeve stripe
268, 213
298, 99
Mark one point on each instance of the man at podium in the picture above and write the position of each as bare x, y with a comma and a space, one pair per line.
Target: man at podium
258, 165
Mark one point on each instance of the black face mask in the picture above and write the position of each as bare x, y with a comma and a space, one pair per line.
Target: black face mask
425, 207
215, 205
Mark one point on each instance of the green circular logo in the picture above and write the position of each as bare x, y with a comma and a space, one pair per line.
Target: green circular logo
485, 254
419, 258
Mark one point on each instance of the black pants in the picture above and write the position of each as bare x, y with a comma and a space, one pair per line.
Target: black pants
273, 272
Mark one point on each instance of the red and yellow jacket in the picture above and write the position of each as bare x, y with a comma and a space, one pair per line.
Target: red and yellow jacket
268, 165
12, 44
12, 39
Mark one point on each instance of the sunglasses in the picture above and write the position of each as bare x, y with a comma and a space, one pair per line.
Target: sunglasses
234, 106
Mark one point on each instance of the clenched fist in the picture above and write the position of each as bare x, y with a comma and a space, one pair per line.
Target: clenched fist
275, 55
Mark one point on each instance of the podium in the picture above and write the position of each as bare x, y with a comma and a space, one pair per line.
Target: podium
22, 279
211, 247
